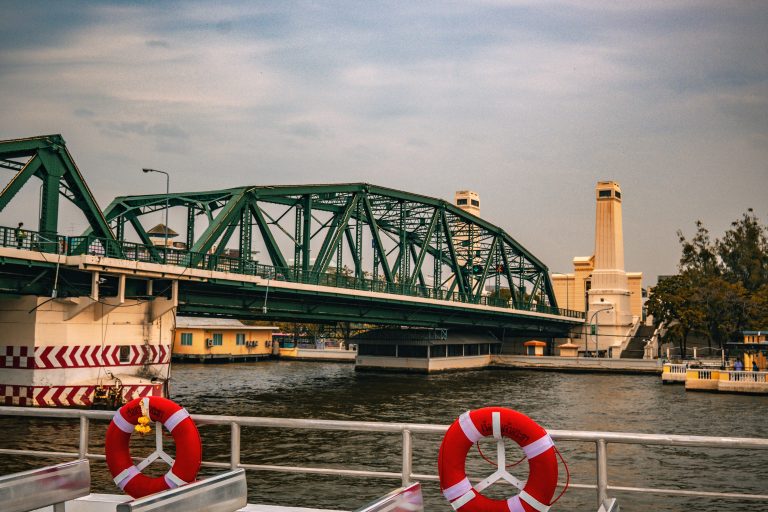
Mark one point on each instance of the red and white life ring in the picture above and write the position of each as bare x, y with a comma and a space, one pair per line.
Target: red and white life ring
538, 447
176, 419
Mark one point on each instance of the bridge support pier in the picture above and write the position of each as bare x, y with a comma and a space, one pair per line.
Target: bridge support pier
56, 352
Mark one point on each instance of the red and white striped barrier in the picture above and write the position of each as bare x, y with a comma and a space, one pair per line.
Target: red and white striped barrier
81, 356
66, 396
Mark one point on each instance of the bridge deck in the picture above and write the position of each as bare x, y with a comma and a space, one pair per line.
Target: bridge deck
135, 261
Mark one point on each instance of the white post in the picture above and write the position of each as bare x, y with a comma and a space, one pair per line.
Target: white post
95, 286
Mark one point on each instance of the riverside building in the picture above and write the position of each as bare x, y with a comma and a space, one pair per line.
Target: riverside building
220, 340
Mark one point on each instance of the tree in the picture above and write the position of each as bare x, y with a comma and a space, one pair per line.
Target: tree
744, 252
673, 303
698, 254
722, 287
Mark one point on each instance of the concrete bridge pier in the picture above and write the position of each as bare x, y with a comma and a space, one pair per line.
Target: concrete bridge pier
58, 351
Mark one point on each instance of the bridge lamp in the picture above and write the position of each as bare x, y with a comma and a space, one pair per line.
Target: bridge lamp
592, 317
167, 193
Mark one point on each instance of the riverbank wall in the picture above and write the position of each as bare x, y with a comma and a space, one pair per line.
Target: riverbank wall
327, 355
577, 364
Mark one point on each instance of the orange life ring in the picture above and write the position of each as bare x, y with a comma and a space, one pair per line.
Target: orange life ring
537, 492
176, 419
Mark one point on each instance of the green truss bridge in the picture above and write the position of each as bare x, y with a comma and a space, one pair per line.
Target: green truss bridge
351, 252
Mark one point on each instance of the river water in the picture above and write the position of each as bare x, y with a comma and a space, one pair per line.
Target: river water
621, 403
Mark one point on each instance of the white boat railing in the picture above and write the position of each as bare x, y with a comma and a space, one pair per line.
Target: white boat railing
407, 431
675, 368
745, 376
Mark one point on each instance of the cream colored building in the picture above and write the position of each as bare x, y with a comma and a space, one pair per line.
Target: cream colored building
205, 339
599, 285
571, 289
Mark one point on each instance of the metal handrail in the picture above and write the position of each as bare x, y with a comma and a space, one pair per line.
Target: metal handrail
407, 430
94, 246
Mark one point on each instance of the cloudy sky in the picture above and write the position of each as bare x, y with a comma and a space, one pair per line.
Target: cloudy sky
528, 103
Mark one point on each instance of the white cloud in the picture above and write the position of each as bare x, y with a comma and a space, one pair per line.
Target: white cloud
528, 103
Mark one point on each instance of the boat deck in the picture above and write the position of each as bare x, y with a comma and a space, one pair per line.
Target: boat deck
108, 502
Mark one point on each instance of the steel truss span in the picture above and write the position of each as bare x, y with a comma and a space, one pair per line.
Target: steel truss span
354, 236
357, 232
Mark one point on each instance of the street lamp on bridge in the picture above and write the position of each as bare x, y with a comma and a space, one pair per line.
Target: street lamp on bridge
167, 193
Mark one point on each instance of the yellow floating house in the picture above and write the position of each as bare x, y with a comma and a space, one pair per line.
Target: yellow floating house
220, 340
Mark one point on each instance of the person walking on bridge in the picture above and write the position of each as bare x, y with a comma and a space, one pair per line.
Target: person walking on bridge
20, 235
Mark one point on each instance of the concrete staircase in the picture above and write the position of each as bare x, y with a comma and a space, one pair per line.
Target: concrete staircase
635, 347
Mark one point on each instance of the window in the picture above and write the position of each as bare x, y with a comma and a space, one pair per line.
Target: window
475, 202
376, 350
411, 351
461, 202
472, 349
125, 354
240, 338
455, 350
186, 339
437, 351
604, 193
618, 195
218, 339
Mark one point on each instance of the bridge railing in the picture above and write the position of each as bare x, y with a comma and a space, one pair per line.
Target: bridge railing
94, 246
32, 241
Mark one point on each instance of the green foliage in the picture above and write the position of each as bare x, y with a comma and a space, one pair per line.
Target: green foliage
744, 253
501, 293
722, 287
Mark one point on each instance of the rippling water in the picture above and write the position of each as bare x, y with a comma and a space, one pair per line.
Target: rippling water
622, 403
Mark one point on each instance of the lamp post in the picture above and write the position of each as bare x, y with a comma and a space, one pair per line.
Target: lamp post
167, 193
592, 317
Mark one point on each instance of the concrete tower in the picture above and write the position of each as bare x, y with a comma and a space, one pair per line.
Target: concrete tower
469, 201
609, 295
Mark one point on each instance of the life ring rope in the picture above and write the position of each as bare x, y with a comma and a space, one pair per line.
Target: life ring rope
459, 491
125, 472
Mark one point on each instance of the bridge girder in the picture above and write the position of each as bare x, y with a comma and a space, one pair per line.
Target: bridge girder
46, 157
410, 236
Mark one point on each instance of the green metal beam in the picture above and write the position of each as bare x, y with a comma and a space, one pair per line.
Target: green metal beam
534, 290
17, 182
458, 276
225, 217
190, 226
49, 207
275, 255
245, 246
417, 270
515, 296
335, 233
377, 245
225, 238
419, 260
353, 247
306, 243
486, 265
144, 237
